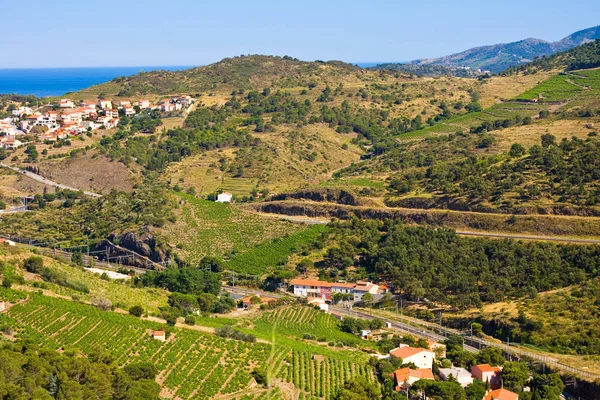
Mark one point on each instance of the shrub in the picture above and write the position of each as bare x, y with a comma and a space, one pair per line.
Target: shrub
136, 311
190, 320
33, 264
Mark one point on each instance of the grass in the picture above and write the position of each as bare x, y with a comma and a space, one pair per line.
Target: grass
265, 257
360, 182
209, 228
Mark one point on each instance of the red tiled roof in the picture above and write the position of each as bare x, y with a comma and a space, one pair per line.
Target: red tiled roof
487, 368
311, 282
403, 374
406, 351
501, 394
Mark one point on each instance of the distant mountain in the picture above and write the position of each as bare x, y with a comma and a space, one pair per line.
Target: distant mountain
498, 57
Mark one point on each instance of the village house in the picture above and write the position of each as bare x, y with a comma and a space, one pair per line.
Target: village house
487, 373
66, 103
7, 128
90, 125
105, 104
144, 103
159, 335
124, 103
22, 111
112, 123
128, 110
422, 358
500, 394
224, 197
10, 143
38, 120
71, 116
318, 302
112, 113
438, 348
405, 377
461, 375
364, 287
326, 290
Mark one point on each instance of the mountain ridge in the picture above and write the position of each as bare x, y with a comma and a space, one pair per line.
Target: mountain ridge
498, 57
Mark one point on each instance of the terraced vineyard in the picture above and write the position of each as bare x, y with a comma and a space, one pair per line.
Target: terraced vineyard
264, 257
192, 364
210, 228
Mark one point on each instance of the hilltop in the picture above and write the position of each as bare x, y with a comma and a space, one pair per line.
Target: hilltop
499, 57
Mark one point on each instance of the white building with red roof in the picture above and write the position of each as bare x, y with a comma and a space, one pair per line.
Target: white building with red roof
500, 394
422, 358
487, 373
224, 197
66, 103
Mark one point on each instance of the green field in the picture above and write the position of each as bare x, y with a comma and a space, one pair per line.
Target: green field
557, 88
264, 257
195, 365
209, 228
360, 182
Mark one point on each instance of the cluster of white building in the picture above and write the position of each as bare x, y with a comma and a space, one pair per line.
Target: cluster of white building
68, 119
175, 103
313, 288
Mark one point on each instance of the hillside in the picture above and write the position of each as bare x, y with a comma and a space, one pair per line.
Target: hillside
499, 57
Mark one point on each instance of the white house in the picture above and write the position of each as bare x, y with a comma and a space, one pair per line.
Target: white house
128, 110
461, 375
90, 125
7, 241
224, 197
124, 103
159, 335
364, 287
320, 303
105, 104
143, 103
422, 358
111, 113
2, 305
10, 142
66, 103
71, 116
22, 110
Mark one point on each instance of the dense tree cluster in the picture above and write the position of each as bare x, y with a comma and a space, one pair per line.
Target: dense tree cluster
182, 280
443, 266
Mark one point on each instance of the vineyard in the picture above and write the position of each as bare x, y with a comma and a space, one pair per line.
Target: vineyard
557, 88
267, 256
209, 228
194, 365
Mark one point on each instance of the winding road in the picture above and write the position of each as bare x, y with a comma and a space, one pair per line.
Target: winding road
46, 181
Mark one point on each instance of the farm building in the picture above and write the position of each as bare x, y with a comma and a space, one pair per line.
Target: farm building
224, 197
159, 335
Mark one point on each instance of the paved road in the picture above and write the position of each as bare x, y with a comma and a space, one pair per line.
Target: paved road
45, 181
14, 210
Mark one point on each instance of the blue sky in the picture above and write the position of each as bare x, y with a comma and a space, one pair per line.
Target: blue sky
69, 33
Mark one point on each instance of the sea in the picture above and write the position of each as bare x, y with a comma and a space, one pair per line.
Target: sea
44, 82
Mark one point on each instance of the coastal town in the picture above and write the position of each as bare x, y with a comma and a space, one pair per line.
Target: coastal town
66, 119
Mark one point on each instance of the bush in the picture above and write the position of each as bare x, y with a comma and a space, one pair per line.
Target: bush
102, 303
33, 264
190, 320
136, 311
171, 319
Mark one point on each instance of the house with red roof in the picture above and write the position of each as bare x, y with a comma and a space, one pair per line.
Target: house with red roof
66, 103
487, 373
500, 394
406, 377
421, 358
